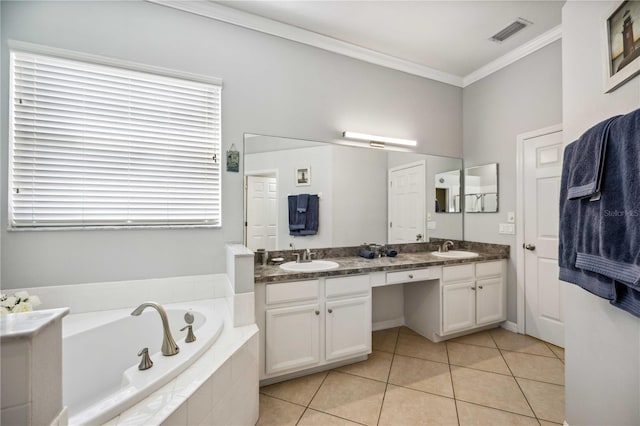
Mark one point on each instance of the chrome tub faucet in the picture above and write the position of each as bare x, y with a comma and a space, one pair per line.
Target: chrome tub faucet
169, 346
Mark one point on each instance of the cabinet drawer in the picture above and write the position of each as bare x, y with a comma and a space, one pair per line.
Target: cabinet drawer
457, 273
408, 276
488, 269
343, 286
292, 291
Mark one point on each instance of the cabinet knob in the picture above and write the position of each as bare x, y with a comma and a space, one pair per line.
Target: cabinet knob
473, 288
330, 310
317, 312
411, 276
480, 287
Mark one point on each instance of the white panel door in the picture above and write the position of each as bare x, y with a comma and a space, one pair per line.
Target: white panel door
348, 328
458, 306
292, 338
543, 291
262, 212
407, 199
490, 301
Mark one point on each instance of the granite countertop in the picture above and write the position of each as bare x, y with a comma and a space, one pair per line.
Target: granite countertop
353, 265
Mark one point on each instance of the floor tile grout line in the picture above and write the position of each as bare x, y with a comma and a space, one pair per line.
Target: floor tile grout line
453, 388
529, 353
514, 379
386, 385
318, 390
335, 415
285, 400
498, 409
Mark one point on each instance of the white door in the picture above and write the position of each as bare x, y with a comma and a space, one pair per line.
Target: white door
348, 328
543, 291
262, 212
407, 203
292, 338
458, 306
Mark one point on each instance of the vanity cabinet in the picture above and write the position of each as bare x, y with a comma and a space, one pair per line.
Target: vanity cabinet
472, 295
467, 298
308, 324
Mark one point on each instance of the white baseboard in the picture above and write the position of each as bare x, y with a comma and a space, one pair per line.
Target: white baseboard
383, 325
510, 326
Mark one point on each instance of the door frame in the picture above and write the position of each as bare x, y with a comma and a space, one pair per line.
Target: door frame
245, 189
521, 139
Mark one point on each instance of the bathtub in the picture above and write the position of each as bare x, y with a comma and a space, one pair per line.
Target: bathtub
100, 356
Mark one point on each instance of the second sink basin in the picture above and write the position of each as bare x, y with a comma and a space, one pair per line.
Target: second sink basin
313, 266
454, 254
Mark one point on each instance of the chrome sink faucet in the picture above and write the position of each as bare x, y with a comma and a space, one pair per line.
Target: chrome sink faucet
306, 256
169, 346
445, 246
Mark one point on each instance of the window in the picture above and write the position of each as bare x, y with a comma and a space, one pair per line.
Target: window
93, 145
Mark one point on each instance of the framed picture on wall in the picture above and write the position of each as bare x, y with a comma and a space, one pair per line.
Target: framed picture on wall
303, 176
621, 44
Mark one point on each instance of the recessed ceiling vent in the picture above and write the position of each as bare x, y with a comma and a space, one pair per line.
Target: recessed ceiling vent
510, 30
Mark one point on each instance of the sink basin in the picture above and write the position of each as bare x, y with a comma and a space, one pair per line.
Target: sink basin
313, 266
454, 254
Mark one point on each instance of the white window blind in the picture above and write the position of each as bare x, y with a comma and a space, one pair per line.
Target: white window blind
95, 145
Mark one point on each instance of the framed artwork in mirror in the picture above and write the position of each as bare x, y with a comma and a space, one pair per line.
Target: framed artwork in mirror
303, 176
621, 44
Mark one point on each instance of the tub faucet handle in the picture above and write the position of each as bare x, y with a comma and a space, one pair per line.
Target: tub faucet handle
190, 336
145, 362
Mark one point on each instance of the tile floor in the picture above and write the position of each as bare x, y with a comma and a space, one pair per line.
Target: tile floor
493, 377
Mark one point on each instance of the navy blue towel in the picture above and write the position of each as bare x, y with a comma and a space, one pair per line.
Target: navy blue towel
367, 254
301, 224
303, 201
587, 161
296, 220
600, 241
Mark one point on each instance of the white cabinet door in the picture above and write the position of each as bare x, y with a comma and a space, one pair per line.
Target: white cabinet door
458, 306
292, 337
348, 327
490, 301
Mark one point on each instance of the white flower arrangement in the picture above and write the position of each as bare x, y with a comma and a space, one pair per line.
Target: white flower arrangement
21, 301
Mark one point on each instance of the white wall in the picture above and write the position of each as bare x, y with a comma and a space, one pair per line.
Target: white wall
271, 86
359, 196
525, 96
602, 360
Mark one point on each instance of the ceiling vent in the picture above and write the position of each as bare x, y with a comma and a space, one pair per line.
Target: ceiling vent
510, 30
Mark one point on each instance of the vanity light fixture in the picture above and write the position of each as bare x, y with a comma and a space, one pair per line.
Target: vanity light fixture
378, 139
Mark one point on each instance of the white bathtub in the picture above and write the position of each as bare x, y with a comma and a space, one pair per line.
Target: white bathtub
100, 356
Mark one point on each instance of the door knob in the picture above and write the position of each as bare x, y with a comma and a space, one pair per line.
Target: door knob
529, 247
317, 312
411, 276
330, 311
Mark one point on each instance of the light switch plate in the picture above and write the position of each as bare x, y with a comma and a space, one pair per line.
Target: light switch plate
507, 228
431, 225
511, 217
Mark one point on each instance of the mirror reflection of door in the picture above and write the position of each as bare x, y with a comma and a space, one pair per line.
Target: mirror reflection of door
407, 203
262, 212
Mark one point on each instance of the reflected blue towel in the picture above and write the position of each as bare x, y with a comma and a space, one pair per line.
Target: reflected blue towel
302, 202
587, 161
600, 241
307, 223
296, 220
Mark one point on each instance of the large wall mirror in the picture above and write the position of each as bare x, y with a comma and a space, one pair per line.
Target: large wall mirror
363, 194
481, 189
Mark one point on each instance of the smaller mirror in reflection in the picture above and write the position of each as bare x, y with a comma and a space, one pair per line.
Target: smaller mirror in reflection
481, 189
447, 192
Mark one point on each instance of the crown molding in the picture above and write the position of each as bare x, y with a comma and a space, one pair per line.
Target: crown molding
515, 55
229, 15
232, 16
